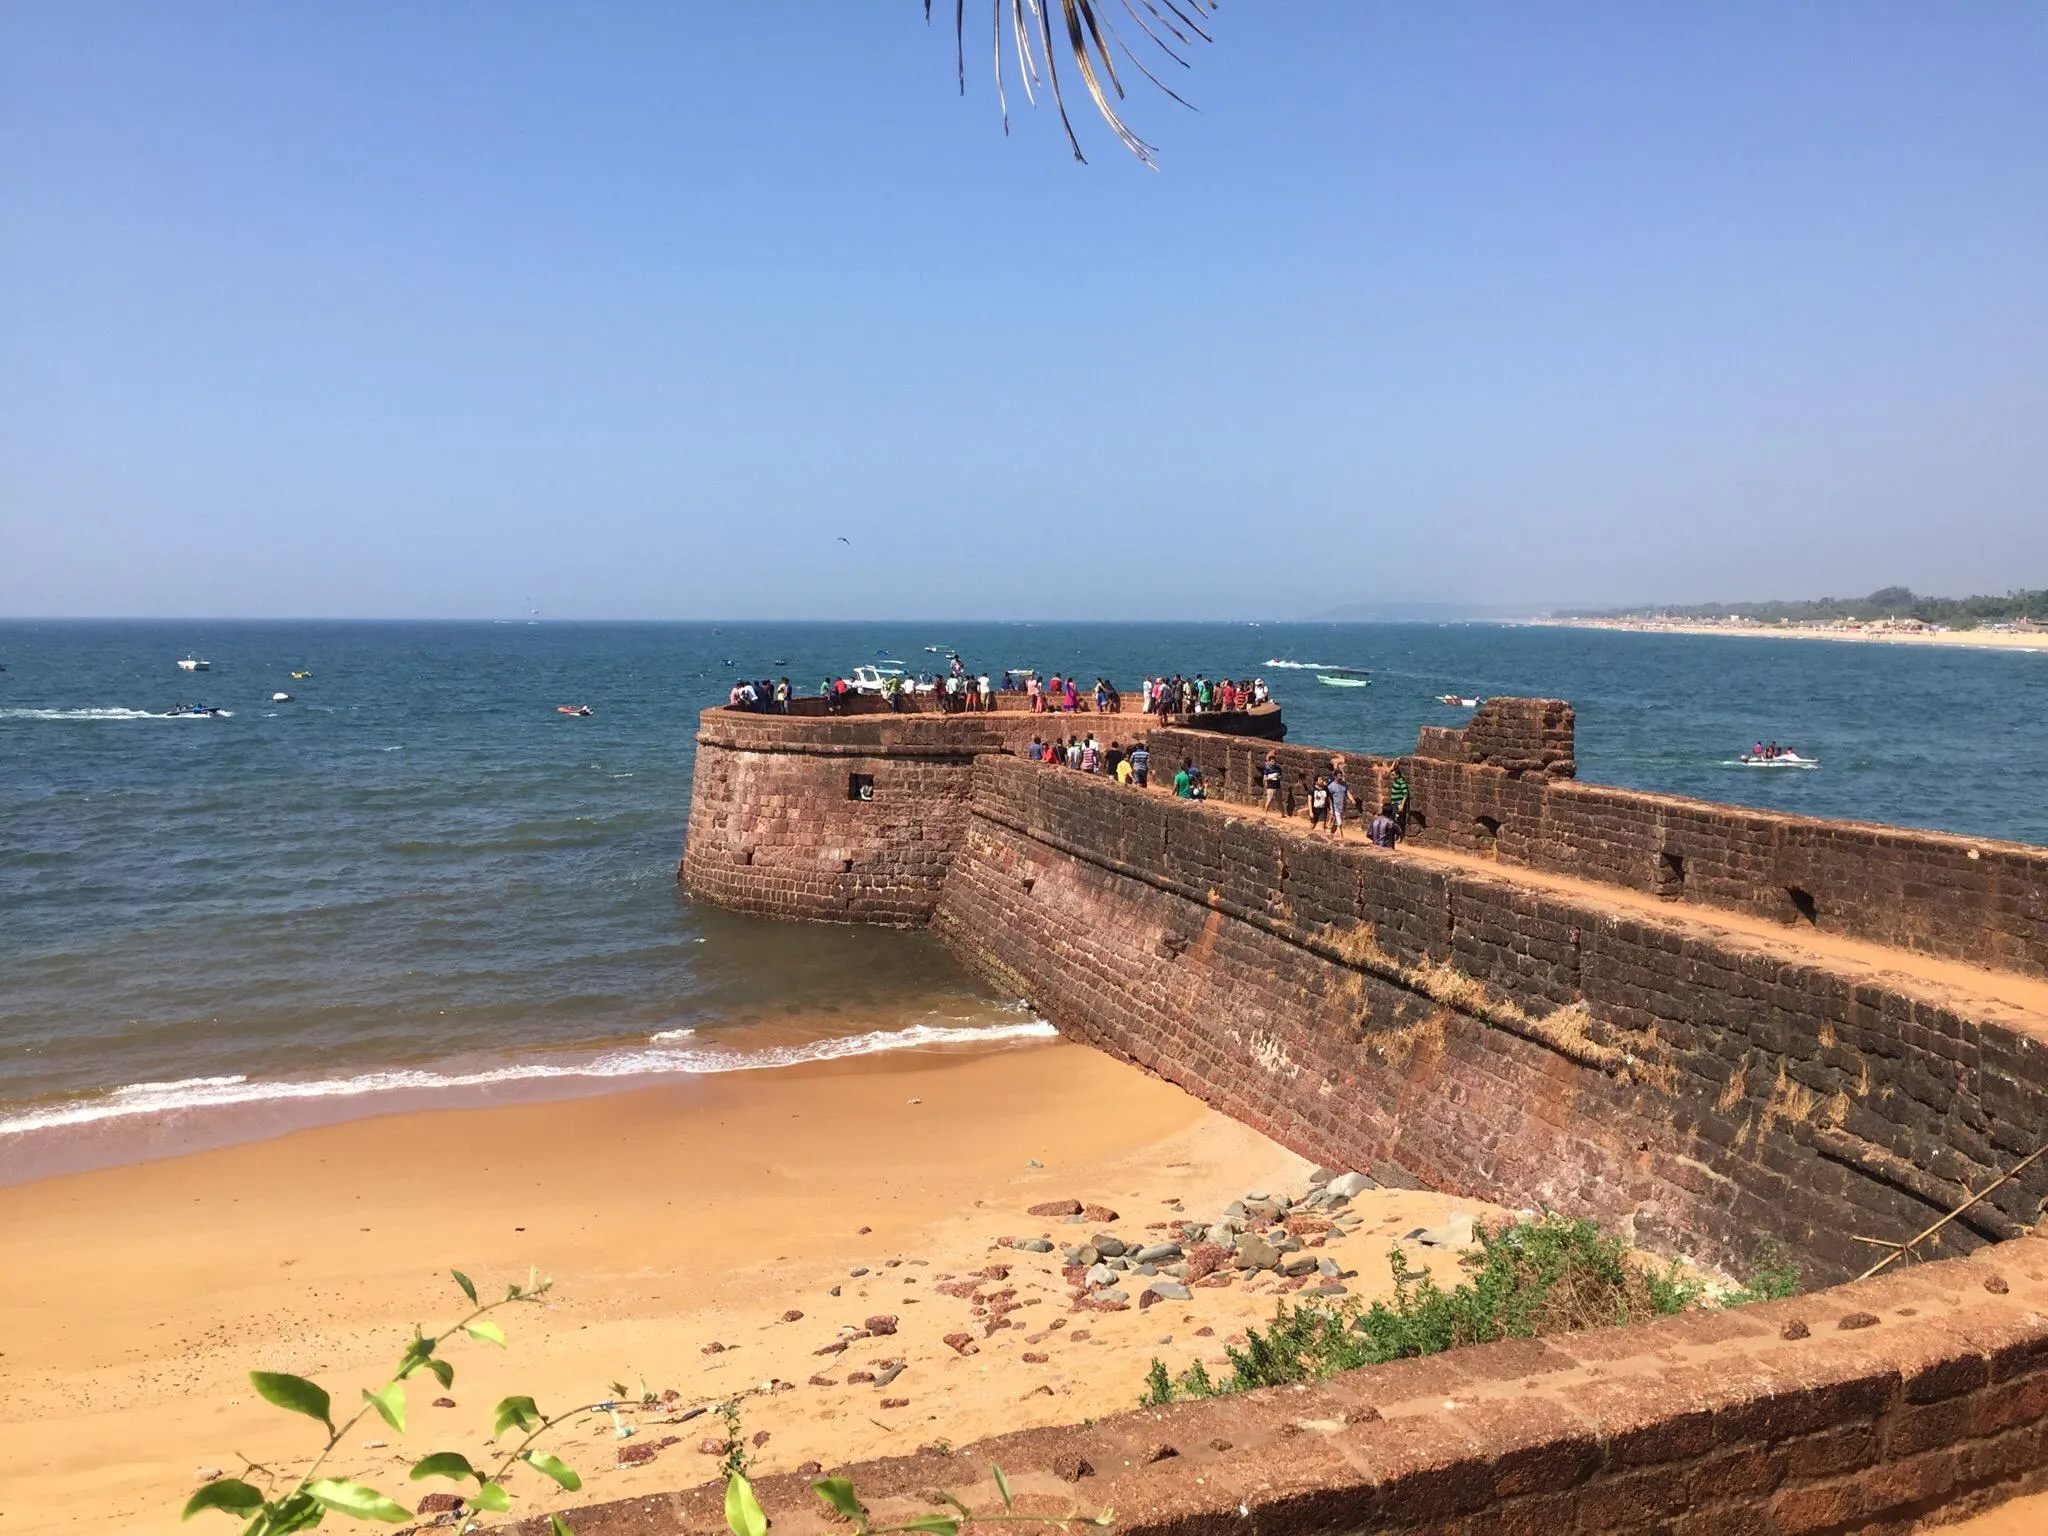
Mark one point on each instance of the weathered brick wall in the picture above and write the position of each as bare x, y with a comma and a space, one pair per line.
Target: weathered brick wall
1867, 1408
1490, 1038
775, 830
1501, 793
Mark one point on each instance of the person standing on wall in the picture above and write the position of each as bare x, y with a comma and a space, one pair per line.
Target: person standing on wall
1318, 802
1397, 799
1339, 793
1184, 781
1269, 776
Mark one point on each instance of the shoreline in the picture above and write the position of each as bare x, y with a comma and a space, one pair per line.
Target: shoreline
130, 1125
1968, 639
765, 1214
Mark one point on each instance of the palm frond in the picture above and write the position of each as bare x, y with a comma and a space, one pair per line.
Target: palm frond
1091, 41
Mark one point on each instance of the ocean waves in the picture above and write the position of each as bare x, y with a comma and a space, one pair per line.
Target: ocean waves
664, 1055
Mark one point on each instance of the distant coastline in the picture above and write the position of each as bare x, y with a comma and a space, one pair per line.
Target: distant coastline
1878, 631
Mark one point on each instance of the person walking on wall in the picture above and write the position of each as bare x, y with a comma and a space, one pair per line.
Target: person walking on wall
1141, 764
1383, 829
1269, 776
1318, 802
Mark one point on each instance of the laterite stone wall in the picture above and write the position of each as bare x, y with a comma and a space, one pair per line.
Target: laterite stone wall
1490, 1038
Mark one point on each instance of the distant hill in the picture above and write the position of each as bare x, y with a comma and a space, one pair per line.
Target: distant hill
1885, 603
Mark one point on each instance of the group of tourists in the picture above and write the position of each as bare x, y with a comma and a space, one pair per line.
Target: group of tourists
1329, 800
1066, 694
763, 696
1084, 754
1197, 695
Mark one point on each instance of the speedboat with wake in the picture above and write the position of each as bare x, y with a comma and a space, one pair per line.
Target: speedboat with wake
195, 711
1781, 759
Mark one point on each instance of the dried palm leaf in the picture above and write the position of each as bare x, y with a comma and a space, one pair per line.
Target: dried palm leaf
1090, 37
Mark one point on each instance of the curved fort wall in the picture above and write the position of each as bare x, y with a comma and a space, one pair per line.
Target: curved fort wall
1486, 1034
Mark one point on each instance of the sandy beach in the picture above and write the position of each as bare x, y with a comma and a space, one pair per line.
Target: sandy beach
1975, 639
671, 1219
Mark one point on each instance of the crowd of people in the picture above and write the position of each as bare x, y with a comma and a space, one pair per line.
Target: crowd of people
1197, 695
960, 689
767, 695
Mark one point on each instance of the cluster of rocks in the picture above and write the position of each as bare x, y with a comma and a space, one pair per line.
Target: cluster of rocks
1259, 1233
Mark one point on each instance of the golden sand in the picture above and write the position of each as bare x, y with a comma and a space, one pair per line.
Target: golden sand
135, 1299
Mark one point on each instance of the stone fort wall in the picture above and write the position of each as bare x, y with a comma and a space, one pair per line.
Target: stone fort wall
1702, 1090
1505, 787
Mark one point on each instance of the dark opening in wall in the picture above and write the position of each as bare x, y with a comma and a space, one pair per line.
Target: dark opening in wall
860, 786
1485, 832
1670, 874
1804, 904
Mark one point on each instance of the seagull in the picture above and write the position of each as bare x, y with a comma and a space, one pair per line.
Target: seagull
844, 539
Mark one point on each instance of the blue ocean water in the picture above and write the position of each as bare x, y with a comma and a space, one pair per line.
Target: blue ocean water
417, 872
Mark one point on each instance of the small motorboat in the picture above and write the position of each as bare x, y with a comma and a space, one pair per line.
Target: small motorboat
1343, 682
1783, 759
300, 677
280, 698
194, 664
1455, 702
194, 711
578, 710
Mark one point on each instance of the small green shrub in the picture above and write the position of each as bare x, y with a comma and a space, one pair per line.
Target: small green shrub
1774, 1278
1547, 1276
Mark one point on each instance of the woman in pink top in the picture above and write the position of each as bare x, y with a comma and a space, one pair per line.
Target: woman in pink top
1073, 696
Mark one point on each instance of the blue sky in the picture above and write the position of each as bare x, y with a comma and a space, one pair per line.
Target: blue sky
633, 310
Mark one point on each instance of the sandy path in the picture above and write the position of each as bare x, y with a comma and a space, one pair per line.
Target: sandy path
136, 1298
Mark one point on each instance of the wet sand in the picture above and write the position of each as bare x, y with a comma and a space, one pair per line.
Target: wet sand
136, 1298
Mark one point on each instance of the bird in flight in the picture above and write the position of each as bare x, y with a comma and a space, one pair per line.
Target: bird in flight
844, 539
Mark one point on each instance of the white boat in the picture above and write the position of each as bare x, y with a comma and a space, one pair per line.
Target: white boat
1455, 702
280, 698
1343, 682
1782, 760
194, 664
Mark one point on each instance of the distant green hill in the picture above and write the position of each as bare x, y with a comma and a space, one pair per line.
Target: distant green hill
1886, 603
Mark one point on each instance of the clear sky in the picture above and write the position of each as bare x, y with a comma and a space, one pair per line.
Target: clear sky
633, 310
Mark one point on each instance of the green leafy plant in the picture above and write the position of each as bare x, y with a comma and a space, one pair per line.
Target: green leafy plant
285, 1501
1774, 1278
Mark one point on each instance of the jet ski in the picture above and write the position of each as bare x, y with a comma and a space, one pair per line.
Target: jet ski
1783, 759
579, 710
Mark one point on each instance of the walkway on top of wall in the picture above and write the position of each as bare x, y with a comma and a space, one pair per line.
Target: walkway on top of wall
2019, 1002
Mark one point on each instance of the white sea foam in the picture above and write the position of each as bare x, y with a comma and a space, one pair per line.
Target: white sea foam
661, 1057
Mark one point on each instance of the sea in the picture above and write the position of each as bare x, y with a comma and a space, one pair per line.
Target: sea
416, 882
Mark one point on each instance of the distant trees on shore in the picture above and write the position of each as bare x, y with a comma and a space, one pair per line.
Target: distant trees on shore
1885, 603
